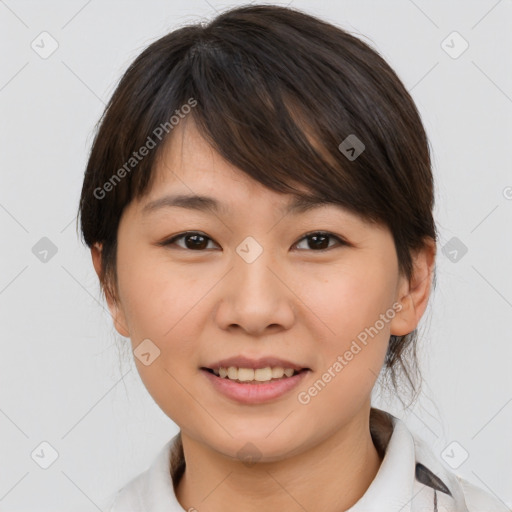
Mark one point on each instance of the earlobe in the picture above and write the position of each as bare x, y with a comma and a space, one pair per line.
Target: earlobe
116, 310
119, 321
403, 321
414, 295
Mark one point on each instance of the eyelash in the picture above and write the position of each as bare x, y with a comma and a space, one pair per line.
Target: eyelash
172, 240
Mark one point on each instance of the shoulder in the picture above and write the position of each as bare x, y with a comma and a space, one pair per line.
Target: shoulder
128, 498
437, 485
464, 495
148, 490
479, 500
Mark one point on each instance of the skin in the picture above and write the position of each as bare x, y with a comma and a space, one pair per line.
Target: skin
294, 301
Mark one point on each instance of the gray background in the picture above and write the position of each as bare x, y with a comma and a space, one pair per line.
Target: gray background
62, 379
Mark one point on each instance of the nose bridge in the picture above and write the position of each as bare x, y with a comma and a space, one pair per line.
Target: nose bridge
252, 269
250, 250
254, 297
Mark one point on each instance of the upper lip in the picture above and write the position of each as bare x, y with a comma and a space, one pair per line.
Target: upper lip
262, 362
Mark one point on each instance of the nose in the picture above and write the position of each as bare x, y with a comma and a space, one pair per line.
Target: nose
256, 294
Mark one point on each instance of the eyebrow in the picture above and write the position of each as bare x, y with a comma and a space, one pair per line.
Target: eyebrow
300, 203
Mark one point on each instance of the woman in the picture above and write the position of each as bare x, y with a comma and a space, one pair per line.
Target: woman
258, 203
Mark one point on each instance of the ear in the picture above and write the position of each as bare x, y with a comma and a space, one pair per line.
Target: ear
414, 294
115, 308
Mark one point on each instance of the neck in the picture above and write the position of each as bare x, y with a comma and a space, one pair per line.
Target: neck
330, 476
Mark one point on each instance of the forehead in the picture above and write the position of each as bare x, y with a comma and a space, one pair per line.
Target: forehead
191, 175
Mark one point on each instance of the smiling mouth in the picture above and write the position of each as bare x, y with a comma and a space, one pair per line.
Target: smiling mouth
250, 391
253, 380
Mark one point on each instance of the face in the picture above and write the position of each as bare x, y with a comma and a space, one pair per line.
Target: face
254, 281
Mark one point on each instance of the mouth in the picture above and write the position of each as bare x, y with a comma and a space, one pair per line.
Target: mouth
250, 391
251, 376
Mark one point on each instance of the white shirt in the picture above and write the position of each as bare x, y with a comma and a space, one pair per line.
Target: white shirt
410, 478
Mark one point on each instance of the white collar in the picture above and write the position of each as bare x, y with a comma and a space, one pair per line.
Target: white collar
410, 478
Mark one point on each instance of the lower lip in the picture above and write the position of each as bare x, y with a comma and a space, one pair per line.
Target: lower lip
254, 393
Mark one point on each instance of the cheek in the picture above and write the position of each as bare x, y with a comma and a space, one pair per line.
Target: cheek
355, 309
163, 304
156, 296
350, 300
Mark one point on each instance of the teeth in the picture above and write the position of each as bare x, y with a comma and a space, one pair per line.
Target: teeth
249, 374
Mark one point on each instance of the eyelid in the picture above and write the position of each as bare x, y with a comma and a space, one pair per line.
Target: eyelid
341, 241
171, 240
322, 232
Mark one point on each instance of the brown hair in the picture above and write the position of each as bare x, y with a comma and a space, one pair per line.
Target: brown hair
276, 91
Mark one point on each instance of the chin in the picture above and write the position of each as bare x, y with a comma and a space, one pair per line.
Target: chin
259, 447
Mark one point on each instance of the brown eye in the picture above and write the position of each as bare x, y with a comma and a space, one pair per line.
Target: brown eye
193, 241
319, 240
